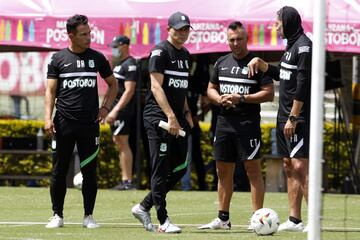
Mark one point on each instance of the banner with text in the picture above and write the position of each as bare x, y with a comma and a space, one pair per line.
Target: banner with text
206, 36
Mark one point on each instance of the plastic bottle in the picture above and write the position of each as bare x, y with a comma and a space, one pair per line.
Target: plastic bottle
31, 31
26, 31
121, 28
145, 34
157, 33
255, 35
151, 34
2, 30
274, 39
127, 30
8, 31
40, 140
134, 33
273, 142
249, 33
19, 31
262, 35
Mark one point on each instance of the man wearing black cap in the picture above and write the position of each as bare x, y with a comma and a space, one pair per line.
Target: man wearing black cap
166, 100
293, 120
123, 109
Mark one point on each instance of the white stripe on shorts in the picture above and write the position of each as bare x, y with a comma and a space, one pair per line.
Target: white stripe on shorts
296, 148
120, 125
252, 155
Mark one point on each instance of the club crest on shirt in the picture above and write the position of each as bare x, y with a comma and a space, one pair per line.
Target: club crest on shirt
91, 63
244, 71
163, 147
156, 52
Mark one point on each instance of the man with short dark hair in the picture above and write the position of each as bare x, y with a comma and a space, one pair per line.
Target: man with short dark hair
293, 119
72, 82
123, 111
166, 101
238, 133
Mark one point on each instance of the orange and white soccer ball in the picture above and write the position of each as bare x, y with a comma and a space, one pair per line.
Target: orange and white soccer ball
265, 221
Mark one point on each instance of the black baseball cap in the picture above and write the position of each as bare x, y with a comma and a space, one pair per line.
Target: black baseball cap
178, 20
119, 40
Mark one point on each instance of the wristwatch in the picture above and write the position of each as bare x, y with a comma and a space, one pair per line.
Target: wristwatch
242, 98
293, 118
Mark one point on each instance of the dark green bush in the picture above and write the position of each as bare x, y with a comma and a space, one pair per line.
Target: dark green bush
109, 170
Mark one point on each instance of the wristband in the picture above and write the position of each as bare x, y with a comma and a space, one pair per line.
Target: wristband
242, 98
106, 108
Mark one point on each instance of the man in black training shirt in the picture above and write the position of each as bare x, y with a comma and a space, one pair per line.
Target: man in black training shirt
238, 134
293, 120
72, 82
166, 100
123, 111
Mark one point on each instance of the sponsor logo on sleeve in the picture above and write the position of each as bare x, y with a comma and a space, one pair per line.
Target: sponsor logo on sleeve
117, 68
132, 68
156, 52
304, 49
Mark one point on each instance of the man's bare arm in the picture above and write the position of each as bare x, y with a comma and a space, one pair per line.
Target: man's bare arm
109, 97
50, 95
124, 100
160, 97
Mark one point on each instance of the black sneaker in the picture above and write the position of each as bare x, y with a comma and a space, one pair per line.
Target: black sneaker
124, 186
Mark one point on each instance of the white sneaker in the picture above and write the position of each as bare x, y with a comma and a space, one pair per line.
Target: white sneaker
291, 227
169, 227
306, 229
144, 217
89, 222
217, 223
55, 222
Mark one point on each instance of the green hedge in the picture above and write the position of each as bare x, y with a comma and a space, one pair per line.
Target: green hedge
109, 172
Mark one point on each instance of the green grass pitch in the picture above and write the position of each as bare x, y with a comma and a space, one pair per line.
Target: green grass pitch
25, 211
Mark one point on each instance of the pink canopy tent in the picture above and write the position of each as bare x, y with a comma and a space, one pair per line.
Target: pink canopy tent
34, 25
41, 23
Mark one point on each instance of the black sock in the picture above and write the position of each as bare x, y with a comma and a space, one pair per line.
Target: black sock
224, 216
295, 220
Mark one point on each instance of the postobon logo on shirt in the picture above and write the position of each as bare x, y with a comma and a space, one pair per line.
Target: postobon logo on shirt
79, 82
232, 88
285, 74
178, 83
